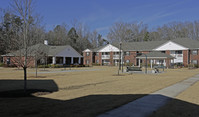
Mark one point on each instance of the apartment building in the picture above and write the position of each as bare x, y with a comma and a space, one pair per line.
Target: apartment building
180, 50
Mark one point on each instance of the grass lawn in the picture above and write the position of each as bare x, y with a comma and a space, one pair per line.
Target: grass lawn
185, 104
80, 93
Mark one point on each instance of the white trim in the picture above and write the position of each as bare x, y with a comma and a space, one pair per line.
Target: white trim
87, 50
181, 47
111, 48
152, 57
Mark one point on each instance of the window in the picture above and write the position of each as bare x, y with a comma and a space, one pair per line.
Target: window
87, 54
194, 52
116, 53
97, 61
178, 52
97, 54
127, 61
127, 53
194, 61
172, 52
107, 53
8, 60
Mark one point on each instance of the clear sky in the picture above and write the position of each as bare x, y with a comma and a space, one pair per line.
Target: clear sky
101, 14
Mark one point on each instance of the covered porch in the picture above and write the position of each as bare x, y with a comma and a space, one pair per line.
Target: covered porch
155, 58
64, 60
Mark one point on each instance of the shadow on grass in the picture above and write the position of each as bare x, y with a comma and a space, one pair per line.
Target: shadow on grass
15, 87
177, 108
12, 104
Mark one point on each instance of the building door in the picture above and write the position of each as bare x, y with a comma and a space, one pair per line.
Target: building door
68, 60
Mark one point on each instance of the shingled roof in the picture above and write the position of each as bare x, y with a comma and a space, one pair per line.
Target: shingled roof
188, 43
140, 46
150, 45
49, 50
156, 55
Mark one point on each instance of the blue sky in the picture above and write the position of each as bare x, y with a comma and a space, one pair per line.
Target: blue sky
100, 15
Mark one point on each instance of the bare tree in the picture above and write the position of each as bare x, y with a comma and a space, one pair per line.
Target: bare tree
127, 32
24, 10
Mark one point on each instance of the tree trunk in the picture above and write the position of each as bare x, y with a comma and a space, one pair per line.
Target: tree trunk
36, 68
25, 79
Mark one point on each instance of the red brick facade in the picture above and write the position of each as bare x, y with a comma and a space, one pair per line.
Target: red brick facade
131, 58
185, 57
194, 56
19, 62
88, 58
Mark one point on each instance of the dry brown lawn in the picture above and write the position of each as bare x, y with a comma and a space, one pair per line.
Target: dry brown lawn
82, 93
185, 104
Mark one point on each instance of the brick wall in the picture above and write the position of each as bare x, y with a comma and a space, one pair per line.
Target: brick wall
194, 57
185, 57
89, 58
18, 62
168, 61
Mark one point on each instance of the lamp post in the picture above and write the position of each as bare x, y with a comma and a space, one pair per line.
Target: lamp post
120, 56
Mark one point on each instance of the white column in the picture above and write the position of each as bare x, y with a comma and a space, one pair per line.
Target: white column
151, 63
139, 62
164, 62
54, 60
64, 60
71, 60
79, 60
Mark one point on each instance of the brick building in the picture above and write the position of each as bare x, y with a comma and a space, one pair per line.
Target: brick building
180, 50
47, 55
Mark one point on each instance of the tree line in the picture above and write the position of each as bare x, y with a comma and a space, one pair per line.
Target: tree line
79, 36
138, 31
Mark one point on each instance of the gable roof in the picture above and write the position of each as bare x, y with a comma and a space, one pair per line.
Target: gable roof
170, 45
108, 48
140, 46
49, 50
186, 42
31, 51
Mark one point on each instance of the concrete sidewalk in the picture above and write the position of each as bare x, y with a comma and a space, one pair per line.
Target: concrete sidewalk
146, 105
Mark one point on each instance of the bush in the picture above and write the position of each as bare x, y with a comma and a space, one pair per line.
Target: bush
2, 65
128, 64
95, 64
196, 65
43, 66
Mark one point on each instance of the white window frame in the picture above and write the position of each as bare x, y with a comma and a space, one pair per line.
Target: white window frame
196, 62
127, 61
127, 54
87, 53
194, 52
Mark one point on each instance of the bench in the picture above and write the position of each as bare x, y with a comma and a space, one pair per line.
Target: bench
133, 68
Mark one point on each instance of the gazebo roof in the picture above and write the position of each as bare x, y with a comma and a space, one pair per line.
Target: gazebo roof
155, 55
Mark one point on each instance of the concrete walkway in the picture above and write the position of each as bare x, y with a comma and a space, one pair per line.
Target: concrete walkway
145, 106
